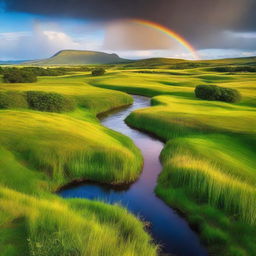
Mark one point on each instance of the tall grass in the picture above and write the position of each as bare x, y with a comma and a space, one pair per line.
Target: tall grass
41, 151
63, 227
222, 184
207, 181
209, 158
73, 150
209, 167
210, 179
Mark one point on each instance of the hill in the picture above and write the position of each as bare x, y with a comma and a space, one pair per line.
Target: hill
77, 57
170, 63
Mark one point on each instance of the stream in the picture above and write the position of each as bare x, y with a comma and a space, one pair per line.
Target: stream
167, 227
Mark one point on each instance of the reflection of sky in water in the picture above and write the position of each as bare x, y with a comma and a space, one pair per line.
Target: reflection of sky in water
168, 228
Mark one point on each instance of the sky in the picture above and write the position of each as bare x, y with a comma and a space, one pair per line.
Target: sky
35, 29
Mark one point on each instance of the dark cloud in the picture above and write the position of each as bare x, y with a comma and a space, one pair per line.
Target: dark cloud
194, 19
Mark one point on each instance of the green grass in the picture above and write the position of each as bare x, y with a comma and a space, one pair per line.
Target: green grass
210, 156
209, 159
68, 148
54, 226
207, 168
42, 151
182, 85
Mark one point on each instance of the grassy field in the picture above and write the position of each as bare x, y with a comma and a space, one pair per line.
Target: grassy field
209, 161
42, 151
209, 157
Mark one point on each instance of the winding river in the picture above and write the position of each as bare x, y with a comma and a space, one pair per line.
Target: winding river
167, 227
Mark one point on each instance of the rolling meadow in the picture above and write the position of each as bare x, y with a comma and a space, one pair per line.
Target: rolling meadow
208, 161
42, 151
209, 158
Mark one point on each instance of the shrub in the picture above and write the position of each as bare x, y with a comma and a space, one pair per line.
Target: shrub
50, 102
15, 75
234, 69
230, 95
38, 71
98, 72
12, 99
214, 92
208, 92
4, 100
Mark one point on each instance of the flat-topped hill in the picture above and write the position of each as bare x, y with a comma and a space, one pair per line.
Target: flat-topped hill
77, 57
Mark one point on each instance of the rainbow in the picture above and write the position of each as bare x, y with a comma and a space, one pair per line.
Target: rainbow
172, 34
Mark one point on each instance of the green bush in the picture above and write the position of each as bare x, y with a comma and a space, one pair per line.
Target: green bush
38, 71
230, 95
50, 102
15, 75
234, 69
12, 99
208, 92
4, 100
214, 92
98, 72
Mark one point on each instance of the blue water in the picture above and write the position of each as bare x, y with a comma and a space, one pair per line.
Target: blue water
167, 228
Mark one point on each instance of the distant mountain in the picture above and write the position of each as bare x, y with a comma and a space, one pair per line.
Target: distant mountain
77, 57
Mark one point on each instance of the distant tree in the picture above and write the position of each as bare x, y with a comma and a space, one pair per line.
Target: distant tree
38, 71
98, 72
235, 69
214, 92
1, 70
15, 75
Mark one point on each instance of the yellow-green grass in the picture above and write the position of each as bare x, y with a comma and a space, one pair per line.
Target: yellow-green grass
52, 226
217, 137
209, 162
68, 148
210, 169
209, 159
186, 114
211, 178
42, 151
95, 99
182, 84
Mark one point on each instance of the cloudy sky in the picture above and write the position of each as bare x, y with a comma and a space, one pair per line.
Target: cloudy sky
32, 29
